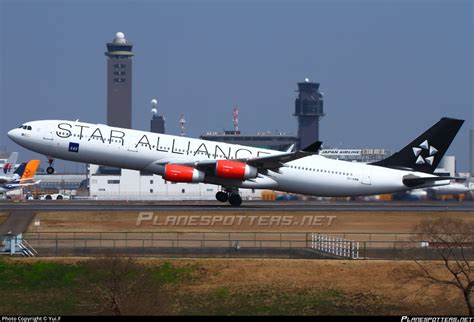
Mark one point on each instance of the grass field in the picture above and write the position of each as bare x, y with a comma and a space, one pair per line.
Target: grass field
236, 287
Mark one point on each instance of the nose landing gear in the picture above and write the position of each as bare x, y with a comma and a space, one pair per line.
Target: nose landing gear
50, 169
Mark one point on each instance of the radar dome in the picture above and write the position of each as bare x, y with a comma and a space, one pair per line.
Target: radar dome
306, 80
154, 110
120, 38
154, 102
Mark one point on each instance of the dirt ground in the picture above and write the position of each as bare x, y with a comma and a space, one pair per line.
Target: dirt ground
3, 217
347, 222
384, 287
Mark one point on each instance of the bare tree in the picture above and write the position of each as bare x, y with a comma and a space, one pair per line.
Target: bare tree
452, 241
119, 286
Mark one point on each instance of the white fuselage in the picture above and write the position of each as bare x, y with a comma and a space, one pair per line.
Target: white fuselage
139, 150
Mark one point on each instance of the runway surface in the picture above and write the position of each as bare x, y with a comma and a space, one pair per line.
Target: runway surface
247, 206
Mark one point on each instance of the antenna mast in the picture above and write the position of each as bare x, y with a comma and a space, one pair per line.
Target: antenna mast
182, 123
235, 117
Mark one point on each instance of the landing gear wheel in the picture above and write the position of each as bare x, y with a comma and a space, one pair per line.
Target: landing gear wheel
235, 200
222, 196
50, 169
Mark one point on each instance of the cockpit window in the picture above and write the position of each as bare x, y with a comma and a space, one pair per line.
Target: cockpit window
29, 128
26, 127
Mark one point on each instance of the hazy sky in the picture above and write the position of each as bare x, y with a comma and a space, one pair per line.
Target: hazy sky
388, 69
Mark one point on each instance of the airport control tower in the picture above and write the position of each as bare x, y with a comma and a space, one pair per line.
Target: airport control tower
308, 110
119, 82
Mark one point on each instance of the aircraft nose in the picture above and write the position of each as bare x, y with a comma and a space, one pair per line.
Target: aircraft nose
12, 134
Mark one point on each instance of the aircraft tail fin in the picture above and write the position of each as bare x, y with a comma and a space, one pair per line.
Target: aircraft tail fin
425, 152
30, 170
9, 166
20, 170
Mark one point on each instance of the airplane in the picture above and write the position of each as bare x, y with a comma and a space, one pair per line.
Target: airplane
181, 159
453, 188
23, 177
9, 173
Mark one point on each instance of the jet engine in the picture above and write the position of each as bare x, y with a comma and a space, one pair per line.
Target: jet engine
235, 170
180, 173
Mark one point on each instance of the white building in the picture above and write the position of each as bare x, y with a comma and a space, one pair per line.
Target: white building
109, 183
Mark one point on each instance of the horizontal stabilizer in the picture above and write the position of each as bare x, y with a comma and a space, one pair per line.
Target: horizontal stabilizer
413, 181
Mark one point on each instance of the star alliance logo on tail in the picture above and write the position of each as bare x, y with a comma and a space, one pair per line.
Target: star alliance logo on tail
422, 150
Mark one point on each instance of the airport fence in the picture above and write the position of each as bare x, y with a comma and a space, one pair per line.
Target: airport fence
252, 244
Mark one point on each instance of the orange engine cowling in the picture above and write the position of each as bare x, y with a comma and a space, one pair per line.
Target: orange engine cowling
235, 170
181, 173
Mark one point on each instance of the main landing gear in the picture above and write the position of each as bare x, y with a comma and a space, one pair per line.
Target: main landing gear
231, 195
50, 169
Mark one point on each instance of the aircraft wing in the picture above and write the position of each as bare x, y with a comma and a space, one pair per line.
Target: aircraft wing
4, 179
277, 161
22, 184
262, 163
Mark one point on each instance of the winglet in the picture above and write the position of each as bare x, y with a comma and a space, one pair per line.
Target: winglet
313, 148
290, 148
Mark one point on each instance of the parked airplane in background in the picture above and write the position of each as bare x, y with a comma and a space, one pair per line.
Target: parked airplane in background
8, 170
454, 189
23, 177
181, 159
